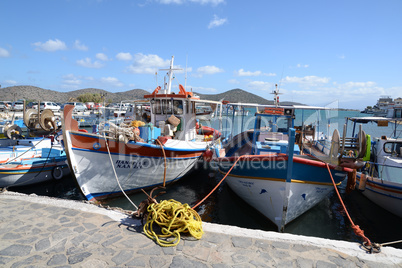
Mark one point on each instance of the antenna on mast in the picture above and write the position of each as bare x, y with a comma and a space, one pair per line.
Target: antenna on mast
185, 76
276, 97
168, 85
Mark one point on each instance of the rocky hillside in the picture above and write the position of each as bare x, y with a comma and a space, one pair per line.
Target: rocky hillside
36, 93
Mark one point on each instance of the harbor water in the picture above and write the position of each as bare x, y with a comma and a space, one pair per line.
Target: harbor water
223, 206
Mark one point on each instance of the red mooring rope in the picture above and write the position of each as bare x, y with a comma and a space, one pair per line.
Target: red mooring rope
356, 228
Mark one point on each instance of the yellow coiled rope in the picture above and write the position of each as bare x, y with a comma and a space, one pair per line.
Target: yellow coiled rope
172, 217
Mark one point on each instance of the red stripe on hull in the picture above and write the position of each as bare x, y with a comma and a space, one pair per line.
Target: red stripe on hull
87, 142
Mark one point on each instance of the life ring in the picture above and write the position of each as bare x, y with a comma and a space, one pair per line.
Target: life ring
57, 173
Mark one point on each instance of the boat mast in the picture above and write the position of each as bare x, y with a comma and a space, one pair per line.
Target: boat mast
169, 85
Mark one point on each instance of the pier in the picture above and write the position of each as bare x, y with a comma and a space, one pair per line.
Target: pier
44, 231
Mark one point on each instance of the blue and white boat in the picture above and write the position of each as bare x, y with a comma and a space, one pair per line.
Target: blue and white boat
52, 164
270, 172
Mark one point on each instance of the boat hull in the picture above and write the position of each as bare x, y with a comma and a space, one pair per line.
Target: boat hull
386, 194
137, 165
261, 182
14, 175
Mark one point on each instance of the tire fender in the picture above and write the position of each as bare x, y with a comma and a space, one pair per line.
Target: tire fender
57, 173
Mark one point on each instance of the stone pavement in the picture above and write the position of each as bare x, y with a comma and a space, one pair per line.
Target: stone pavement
40, 231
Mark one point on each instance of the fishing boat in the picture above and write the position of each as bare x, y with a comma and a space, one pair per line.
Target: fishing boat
139, 154
266, 168
22, 171
380, 180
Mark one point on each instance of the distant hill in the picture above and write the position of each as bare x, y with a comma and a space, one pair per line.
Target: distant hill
36, 93
239, 95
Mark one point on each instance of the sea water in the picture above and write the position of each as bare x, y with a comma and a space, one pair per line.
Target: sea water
326, 220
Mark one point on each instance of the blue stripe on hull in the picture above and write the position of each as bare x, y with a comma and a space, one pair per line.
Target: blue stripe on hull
278, 170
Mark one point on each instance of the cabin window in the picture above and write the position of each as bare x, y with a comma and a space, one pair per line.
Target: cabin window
167, 106
157, 109
393, 148
178, 106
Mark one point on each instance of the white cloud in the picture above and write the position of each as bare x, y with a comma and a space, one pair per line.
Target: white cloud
350, 85
241, 72
112, 81
342, 57
79, 46
216, 22
71, 79
102, 56
147, 64
10, 82
4, 53
124, 56
50, 45
307, 81
208, 70
87, 62
261, 85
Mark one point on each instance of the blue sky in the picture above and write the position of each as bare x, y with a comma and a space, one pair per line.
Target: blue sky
319, 52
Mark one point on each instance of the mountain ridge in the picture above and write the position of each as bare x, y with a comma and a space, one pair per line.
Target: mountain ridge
35, 93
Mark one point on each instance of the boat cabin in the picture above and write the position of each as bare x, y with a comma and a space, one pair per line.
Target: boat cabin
271, 131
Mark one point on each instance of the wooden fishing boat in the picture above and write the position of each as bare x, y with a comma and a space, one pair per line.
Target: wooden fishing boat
137, 155
269, 171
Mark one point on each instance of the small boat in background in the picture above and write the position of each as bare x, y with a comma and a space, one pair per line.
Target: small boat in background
380, 180
52, 164
25, 161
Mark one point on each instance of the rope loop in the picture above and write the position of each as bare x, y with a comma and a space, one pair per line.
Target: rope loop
172, 217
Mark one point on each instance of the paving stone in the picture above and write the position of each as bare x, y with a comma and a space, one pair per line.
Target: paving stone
58, 260
30, 262
242, 242
112, 241
281, 245
123, 257
95, 263
78, 239
183, 262
16, 250
304, 263
138, 261
77, 258
71, 212
79, 229
10, 236
324, 264
28, 240
157, 262
153, 250
5, 260
42, 244
59, 247
61, 234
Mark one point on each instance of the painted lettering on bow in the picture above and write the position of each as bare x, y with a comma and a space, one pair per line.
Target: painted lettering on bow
128, 164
